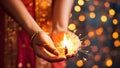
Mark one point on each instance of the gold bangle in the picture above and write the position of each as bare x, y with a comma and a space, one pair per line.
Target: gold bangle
33, 36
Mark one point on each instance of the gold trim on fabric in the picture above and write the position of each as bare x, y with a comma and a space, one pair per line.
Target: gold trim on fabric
10, 47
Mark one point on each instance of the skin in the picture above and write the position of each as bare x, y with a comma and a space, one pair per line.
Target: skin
61, 12
43, 46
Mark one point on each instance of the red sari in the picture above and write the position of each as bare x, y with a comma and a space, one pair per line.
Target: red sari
15, 50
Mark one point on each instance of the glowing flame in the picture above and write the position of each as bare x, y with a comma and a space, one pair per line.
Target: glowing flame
65, 41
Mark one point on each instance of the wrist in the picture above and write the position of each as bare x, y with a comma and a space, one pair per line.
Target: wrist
59, 28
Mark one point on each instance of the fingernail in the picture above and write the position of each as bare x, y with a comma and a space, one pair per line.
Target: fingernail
64, 57
56, 52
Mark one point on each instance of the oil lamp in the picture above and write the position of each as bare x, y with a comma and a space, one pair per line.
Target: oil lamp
66, 42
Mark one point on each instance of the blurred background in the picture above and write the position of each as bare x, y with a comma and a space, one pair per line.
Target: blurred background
97, 23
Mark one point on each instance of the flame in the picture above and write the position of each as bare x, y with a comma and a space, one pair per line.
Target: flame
65, 41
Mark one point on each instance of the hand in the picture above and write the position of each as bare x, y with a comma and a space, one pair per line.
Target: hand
72, 41
44, 48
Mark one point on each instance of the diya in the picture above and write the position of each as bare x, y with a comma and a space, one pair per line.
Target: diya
66, 42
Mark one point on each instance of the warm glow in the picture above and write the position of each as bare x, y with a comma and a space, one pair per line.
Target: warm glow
112, 12
94, 48
91, 8
31, 4
108, 62
42, 19
101, 38
20, 65
96, 2
91, 34
95, 66
99, 31
87, 42
115, 21
81, 2
44, 4
107, 4
44, 14
77, 8
79, 63
103, 18
81, 18
117, 43
115, 35
72, 27
65, 41
105, 49
70, 15
97, 57
92, 15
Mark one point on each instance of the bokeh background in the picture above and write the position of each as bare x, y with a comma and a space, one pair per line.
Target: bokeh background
97, 23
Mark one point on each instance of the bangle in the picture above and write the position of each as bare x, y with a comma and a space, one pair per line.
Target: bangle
33, 36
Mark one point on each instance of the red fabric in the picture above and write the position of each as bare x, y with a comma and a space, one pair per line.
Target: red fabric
2, 36
59, 64
25, 54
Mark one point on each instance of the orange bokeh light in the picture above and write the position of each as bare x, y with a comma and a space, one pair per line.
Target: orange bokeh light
115, 35
95, 66
97, 57
79, 63
115, 21
108, 62
111, 12
107, 4
99, 31
117, 43
92, 15
91, 34
87, 42
91, 8
81, 18
94, 48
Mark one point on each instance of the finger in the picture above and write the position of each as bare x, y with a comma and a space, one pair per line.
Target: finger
43, 53
48, 43
70, 55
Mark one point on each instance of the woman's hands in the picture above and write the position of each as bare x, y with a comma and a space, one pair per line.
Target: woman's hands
68, 39
44, 48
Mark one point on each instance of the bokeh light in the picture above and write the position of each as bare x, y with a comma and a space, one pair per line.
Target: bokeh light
103, 18
44, 4
72, 27
115, 35
91, 8
98, 25
97, 57
87, 42
79, 63
91, 34
96, 2
99, 31
107, 4
111, 12
115, 21
81, 2
94, 48
77, 8
117, 43
92, 15
95, 66
81, 18
108, 62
